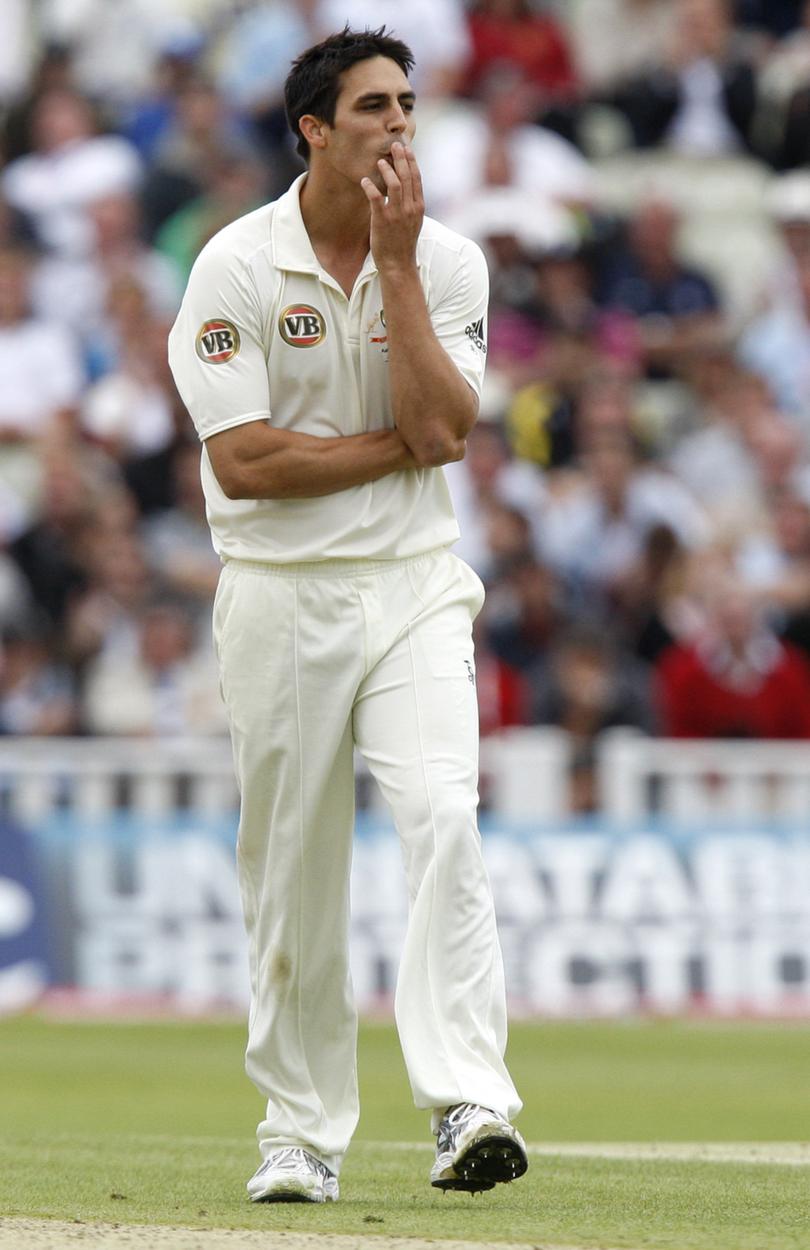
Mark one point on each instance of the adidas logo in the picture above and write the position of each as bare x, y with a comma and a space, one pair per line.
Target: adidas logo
475, 331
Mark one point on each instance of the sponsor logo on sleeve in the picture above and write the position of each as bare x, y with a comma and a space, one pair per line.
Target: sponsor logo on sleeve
475, 332
302, 326
217, 341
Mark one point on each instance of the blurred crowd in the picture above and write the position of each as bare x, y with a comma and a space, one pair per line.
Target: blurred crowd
636, 494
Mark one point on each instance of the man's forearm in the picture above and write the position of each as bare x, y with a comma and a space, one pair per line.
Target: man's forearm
434, 408
256, 461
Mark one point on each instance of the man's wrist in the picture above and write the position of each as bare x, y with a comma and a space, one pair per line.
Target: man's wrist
398, 271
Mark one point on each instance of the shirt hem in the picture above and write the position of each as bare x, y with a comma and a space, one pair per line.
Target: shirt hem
244, 419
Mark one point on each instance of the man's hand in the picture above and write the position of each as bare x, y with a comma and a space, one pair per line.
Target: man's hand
397, 219
433, 406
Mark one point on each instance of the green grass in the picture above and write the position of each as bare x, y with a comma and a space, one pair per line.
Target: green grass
153, 1123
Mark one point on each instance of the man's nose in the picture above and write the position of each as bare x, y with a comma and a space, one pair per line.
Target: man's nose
398, 121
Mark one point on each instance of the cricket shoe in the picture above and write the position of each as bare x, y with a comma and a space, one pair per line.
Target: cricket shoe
476, 1149
292, 1174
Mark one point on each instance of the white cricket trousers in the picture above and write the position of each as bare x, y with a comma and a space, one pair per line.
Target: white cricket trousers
315, 658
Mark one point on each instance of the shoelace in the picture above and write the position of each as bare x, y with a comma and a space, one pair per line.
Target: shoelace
451, 1124
293, 1159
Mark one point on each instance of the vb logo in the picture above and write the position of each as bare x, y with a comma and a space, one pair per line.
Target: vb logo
302, 326
217, 341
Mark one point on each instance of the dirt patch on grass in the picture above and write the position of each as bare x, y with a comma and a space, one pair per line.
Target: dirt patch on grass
60, 1235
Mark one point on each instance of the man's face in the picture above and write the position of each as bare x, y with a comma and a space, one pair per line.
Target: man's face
374, 109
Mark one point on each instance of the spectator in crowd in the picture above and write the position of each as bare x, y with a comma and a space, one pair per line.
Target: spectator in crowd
775, 562
736, 679
495, 143
36, 692
129, 410
52, 71
145, 118
777, 343
52, 552
716, 461
606, 407
540, 418
200, 134
164, 686
235, 184
514, 32
114, 47
202, 129
585, 686
126, 311
619, 41
700, 99
656, 601
523, 614
676, 307
104, 616
488, 478
515, 229
41, 381
593, 533
253, 60
70, 168
177, 539
780, 453
77, 291
529, 239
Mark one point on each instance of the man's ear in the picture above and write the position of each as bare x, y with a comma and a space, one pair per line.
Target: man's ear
313, 130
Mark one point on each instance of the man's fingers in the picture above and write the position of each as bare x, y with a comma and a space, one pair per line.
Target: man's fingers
403, 171
372, 194
416, 176
393, 186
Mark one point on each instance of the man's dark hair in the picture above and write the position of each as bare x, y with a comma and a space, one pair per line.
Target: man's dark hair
313, 83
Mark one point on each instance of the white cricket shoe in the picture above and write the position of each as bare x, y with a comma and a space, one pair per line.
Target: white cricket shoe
292, 1174
476, 1149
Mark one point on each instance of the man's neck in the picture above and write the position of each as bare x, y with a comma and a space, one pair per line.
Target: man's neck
336, 219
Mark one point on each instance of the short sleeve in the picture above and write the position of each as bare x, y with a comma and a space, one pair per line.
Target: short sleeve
459, 314
216, 346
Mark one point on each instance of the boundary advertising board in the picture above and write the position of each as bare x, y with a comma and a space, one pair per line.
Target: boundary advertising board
593, 920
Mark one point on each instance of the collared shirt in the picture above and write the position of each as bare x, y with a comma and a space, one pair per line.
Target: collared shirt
265, 333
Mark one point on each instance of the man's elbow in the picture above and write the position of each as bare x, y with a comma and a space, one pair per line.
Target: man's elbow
247, 481
240, 481
439, 449
232, 480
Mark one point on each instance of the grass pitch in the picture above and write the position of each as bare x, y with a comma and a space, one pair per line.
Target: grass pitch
152, 1124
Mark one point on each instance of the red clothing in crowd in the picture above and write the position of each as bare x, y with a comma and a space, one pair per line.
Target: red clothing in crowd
503, 694
704, 693
533, 43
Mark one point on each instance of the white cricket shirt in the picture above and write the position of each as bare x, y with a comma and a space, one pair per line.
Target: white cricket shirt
264, 333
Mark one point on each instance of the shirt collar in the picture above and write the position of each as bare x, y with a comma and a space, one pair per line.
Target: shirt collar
292, 248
